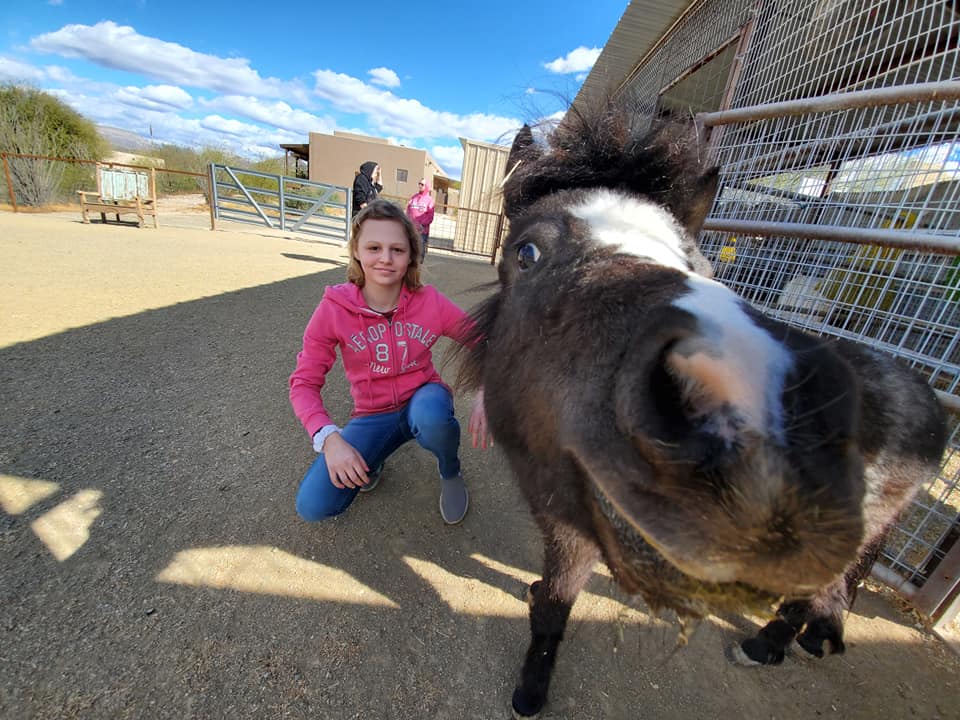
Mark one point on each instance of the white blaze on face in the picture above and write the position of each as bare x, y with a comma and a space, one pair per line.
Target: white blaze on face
734, 361
636, 227
733, 365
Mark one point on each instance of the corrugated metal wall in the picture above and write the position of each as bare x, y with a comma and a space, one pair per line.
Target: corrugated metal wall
479, 218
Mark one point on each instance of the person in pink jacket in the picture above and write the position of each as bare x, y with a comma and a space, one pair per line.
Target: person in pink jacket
420, 210
384, 322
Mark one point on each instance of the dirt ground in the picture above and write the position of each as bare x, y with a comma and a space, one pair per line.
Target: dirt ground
152, 564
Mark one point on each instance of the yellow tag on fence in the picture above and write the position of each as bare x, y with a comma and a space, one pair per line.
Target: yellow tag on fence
728, 253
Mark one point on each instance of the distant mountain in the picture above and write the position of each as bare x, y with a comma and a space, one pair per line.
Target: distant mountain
123, 139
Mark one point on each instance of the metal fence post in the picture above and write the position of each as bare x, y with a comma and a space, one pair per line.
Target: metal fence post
212, 196
349, 211
6, 172
496, 239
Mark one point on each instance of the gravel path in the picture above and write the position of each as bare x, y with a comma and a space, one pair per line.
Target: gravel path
152, 566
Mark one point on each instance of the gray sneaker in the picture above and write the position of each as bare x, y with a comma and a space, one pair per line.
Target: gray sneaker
374, 477
454, 500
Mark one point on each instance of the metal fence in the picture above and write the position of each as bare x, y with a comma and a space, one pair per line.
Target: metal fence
42, 181
836, 125
280, 202
314, 209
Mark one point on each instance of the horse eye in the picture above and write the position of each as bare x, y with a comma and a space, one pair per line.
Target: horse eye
527, 256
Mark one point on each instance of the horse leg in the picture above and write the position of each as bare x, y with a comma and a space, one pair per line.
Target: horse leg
812, 622
824, 622
568, 561
770, 644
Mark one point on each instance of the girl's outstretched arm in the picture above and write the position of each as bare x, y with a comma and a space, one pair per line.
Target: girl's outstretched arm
478, 423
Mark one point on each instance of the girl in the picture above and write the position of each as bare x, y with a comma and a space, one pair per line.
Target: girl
385, 322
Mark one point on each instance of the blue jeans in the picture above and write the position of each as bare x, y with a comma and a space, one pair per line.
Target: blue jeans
428, 417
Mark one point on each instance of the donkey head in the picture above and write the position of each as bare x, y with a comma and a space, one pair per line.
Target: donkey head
711, 446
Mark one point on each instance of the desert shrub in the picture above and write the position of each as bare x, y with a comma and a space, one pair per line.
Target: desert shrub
36, 123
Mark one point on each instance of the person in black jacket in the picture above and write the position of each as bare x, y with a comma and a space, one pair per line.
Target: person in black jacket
366, 185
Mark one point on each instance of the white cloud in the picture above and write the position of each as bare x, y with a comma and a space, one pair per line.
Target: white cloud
450, 158
136, 108
243, 110
163, 98
401, 141
228, 125
59, 74
391, 115
16, 71
212, 131
122, 48
384, 76
277, 114
576, 61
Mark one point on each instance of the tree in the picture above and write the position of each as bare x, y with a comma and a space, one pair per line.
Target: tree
36, 123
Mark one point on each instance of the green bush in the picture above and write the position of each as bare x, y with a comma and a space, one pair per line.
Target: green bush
33, 122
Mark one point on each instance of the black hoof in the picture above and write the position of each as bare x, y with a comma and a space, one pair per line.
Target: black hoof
813, 642
757, 651
820, 631
813, 646
524, 706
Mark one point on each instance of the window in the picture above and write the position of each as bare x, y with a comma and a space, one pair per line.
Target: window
401, 175
701, 88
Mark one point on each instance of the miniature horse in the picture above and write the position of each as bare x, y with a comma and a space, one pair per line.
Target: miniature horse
713, 458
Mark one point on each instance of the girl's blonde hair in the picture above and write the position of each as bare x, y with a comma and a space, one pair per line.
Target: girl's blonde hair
384, 210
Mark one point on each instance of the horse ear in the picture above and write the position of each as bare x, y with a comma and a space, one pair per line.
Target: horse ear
523, 147
701, 200
524, 151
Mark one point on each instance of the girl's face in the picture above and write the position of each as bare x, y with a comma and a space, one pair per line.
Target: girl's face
383, 252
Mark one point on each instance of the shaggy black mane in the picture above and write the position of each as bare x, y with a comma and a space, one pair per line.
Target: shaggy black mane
472, 353
610, 148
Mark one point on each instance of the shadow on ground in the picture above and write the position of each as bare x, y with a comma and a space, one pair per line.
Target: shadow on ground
178, 582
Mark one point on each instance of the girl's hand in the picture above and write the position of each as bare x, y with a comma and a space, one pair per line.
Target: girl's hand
346, 466
478, 423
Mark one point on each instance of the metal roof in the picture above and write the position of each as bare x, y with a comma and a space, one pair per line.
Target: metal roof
301, 150
643, 23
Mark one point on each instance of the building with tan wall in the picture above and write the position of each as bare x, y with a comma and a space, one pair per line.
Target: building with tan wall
335, 159
469, 212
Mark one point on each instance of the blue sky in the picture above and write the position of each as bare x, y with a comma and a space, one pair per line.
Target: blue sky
248, 77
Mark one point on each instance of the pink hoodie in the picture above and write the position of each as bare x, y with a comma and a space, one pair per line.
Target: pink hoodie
420, 208
385, 361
